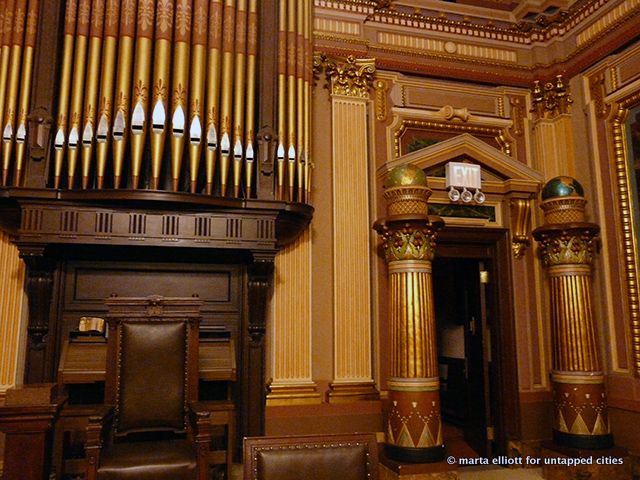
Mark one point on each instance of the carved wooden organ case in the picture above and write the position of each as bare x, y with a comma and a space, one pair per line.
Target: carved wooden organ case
154, 147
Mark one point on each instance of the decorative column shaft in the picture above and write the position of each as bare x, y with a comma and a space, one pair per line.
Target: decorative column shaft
567, 246
414, 426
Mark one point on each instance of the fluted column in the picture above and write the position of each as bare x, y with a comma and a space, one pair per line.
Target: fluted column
414, 425
567, 246
353, 370
12, 271
290, 340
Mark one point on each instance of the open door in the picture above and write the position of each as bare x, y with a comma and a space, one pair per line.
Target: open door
464, 349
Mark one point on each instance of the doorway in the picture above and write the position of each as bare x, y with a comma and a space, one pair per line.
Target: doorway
476, 351
464, 352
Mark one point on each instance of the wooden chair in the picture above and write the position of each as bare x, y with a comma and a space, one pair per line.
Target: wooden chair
151, 427
317, 457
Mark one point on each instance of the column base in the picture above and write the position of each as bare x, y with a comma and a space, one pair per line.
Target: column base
415, 455
598, 463
352, 392
391, 469
302, 394
590, 442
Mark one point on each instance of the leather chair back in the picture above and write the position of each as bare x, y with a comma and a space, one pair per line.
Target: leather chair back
151, 390
347, 456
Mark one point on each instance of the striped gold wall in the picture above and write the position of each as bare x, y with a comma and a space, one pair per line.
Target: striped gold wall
12, 272
290, 329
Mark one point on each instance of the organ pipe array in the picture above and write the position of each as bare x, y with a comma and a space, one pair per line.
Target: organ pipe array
162, 95
18, 24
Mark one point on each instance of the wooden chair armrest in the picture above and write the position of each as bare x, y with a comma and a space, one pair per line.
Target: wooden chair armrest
200, 417
98, 425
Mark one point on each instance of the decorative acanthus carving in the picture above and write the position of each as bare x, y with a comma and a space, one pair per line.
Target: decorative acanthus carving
413, 240
353, 77
551, 99
568, 246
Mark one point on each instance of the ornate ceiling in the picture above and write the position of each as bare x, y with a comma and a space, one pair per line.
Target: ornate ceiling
494, 41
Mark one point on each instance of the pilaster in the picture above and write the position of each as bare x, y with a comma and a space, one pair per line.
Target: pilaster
552, 128
12, 272
353, 374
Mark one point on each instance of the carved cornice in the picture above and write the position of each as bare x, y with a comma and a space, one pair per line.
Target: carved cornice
551, 99
458, 39
542, 29
353, 77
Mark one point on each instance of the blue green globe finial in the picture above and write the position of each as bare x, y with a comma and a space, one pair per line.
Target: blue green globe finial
405, 176
562, 186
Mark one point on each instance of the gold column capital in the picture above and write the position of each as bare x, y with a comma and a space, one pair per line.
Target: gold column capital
562, 245
550, 99
409, 240
352, 77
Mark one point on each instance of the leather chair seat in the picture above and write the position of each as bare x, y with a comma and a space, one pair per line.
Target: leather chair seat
152, 460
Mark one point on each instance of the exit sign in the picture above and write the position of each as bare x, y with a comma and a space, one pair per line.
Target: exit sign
464, 175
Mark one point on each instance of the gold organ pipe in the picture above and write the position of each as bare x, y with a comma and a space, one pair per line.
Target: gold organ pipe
308, 81
140, 95
226, 94
8, 126
91, 92
77, 88
65, 85
282, 75
5, 51
182, 46
110, 44
123, 86
198, 66
213, 89
252, 52
300, 71
161, 78
25, 88
2, 15
240, 79
291, 95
